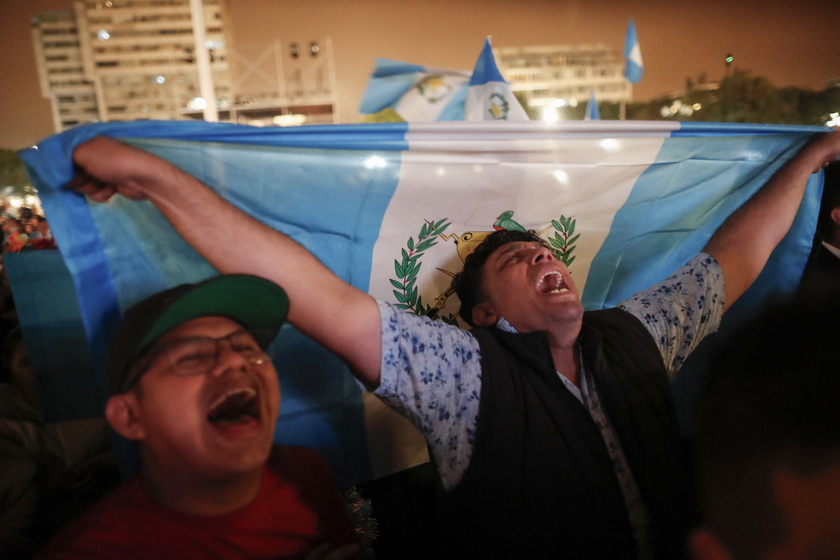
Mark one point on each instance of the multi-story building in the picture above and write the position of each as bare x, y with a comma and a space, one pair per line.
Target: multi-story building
172, 59
141, 56
60, 70
564, 75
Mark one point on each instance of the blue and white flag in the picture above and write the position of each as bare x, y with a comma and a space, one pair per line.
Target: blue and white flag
393, 209
490, 97
415, 93
592, 112
634, 68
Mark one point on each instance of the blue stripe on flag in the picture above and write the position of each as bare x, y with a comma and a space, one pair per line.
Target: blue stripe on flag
454, 110
386, 67
51, 319
682, 198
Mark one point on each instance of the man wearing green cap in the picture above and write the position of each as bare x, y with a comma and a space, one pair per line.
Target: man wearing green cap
190, 382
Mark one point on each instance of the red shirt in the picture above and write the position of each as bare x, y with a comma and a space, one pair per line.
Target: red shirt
298, 507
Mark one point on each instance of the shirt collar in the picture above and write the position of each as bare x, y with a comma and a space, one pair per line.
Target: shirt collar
503, 325
832, 249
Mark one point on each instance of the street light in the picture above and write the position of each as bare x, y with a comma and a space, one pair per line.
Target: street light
725, 87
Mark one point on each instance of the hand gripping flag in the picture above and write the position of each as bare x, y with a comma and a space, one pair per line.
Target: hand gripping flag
392, 209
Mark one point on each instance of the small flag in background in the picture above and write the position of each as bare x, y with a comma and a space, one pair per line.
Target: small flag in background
412, 93
489, 97
415, 93
634, 68
592, 112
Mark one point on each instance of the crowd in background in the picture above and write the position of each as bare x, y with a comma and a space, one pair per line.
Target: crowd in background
24, 229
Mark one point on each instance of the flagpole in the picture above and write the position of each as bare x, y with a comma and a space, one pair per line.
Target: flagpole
633, 66
202, 57
622, 113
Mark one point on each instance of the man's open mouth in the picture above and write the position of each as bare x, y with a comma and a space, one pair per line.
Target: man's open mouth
235, 407
552, 283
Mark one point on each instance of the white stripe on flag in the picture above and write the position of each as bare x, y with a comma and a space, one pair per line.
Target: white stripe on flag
471, 193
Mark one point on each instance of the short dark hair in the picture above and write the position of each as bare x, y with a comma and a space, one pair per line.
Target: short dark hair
468, 284
769, 400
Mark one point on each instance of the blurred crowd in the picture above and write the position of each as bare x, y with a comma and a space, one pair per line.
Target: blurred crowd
24, 229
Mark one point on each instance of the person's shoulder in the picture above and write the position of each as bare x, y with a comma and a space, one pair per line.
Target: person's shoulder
614, 321
296, 458
294, 452
115, 514
306, 470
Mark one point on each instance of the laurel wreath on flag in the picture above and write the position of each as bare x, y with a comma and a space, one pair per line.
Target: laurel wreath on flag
407, 269
427, 89
563, 242
499, 107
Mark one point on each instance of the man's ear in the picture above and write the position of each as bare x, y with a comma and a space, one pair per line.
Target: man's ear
704, 545
483, 315
835, 215
121, 413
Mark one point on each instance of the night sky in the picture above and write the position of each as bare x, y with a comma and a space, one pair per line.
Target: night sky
791, 43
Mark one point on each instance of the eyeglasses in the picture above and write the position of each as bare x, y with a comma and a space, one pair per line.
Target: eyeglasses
197, 355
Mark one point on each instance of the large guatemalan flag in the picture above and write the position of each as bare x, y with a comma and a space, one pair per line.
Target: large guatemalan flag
393, 209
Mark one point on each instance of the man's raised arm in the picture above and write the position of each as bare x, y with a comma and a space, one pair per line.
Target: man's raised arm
322, 306
743, 243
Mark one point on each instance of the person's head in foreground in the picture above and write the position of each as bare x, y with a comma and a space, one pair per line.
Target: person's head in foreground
768, 439
514, 275
190, 381
828, 221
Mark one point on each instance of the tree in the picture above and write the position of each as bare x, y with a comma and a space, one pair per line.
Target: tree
741, 97
12, 171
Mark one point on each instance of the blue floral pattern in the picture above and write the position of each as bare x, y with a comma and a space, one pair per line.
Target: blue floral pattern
431, 374
682, 310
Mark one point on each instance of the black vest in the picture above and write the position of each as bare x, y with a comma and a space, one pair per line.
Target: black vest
540, 483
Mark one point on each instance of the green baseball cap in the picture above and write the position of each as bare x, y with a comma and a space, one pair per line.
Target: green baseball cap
257, 304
